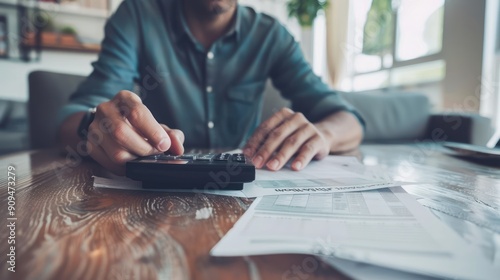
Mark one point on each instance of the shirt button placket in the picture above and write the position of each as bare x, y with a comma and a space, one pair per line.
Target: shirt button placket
210, 66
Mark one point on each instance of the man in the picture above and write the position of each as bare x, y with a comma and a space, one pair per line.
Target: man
202, 65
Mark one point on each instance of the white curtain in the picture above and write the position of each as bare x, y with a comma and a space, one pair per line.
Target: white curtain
339, 42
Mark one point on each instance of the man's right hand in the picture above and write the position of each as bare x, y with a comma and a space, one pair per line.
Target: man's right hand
124, 129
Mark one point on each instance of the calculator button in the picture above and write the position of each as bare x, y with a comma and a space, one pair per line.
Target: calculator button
151, 157
238, 157
166, 157
188, 156
205, 157
222, 157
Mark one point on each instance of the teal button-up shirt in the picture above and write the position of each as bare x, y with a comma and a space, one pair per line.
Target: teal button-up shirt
213, 95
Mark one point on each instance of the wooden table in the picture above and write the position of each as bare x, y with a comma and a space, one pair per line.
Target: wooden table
66, 229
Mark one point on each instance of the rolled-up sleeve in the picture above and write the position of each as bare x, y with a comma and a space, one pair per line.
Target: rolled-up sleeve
117, 65
294, 78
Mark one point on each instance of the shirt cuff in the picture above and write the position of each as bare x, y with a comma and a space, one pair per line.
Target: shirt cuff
68, 110
331, 105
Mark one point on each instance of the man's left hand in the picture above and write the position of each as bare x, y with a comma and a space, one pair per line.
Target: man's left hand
284, 135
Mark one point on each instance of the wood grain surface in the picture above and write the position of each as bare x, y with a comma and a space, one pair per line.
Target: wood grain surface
66, 229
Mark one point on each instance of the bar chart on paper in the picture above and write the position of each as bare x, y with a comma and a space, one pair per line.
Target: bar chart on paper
373, 219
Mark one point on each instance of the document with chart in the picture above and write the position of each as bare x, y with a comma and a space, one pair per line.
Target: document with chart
385, 227
330, 175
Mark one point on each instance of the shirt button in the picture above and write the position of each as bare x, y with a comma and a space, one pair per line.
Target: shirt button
210, 124
209, 89
210, 55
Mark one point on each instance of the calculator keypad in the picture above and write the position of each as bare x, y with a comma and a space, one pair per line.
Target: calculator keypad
223, 157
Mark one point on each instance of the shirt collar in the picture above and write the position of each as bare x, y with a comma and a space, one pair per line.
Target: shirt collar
235, 30
181, 28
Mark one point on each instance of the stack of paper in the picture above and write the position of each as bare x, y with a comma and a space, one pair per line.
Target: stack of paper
385, 227
331, 175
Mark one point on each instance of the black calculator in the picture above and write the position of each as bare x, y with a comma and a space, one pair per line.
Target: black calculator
203, 171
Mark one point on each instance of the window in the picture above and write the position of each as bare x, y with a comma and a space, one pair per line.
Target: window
396, 42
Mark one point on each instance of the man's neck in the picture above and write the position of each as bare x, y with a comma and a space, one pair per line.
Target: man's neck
208, 28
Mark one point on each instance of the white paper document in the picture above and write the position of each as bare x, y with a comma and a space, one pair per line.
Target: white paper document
364, 271
330, 175
384, 227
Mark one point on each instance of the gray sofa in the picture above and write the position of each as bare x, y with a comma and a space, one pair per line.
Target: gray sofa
403, 117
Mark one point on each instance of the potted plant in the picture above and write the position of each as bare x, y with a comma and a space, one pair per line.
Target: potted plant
378, 33
43, 22
4, 39
68, 36
305, 10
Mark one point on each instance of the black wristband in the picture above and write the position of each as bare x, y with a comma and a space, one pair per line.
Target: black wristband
83, 128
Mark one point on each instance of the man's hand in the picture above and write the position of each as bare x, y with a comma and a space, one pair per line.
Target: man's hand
284, 135
124, 129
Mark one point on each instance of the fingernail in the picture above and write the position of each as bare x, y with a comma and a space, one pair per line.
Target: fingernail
163, 145
297, 165
257, 161
273, 164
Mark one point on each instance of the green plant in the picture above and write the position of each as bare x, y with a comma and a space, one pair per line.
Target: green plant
68, 30
43, 21
305, 10
378, 33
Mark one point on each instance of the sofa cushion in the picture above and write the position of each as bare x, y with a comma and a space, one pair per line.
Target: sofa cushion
392, 117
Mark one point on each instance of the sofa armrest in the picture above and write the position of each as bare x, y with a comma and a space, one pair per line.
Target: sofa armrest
391, 117
13, 126
463, 128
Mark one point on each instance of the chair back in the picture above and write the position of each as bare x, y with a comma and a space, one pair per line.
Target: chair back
48, 92
272, 101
